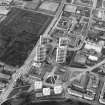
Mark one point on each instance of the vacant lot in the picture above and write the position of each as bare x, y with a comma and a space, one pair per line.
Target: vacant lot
19, 33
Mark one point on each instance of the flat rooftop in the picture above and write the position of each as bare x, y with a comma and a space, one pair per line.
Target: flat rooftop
19, 33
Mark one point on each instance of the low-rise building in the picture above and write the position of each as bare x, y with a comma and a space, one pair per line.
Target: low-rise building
81, 83
64, 23
89, 96
4, 76
49, 6
38, 85
58, 89
79, 58
46, 91
94, 46
93, 84
74, 93
70, 8
63, 42
4, 10
102, 95
43, 40
93, 58
5, 1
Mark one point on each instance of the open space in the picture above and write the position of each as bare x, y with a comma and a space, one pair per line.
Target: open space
19, 33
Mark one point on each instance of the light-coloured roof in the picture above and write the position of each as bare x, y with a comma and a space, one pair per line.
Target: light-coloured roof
46, 91
4, 76
61, 55
3, 10
37, 85
94, 46
70, 8
93, 58
50, 6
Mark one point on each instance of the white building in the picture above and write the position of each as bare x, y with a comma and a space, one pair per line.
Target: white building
63, 42
46, 91
89, 96
38, 85
93, 58
61, 55
49, 6
3, 10
58, 89
35, 64
43, 40
75, 93
70, 8
5, 1
93, 46
40, 53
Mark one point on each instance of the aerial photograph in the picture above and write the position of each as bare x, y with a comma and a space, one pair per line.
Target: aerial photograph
52, 52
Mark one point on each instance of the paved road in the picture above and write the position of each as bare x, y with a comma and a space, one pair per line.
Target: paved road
84, 71
25, 68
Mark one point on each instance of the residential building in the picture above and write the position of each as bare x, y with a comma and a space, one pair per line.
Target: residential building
79, 58
64, 23
89, 96
43, 40
74, 93
70, 8
96, 47
81, 83
4, 76
49, 6
3, 10
35, 64
38, 85
58, 89
46, 91
93, 58
63, 42
38, 95
93, 83
61, 55
5, 1
40, 53
102, 95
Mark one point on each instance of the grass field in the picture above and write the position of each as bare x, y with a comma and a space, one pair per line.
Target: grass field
19, 33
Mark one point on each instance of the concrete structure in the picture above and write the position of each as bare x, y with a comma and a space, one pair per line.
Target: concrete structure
46, 91
102, 95
4, 76
94, 46
93, 84
3, 10
89, 96
49, 6
40, 53
43, 40
63, 42
75, 93
58, 89
38, 85
70, 8
61, 55
81, 83
93, 58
